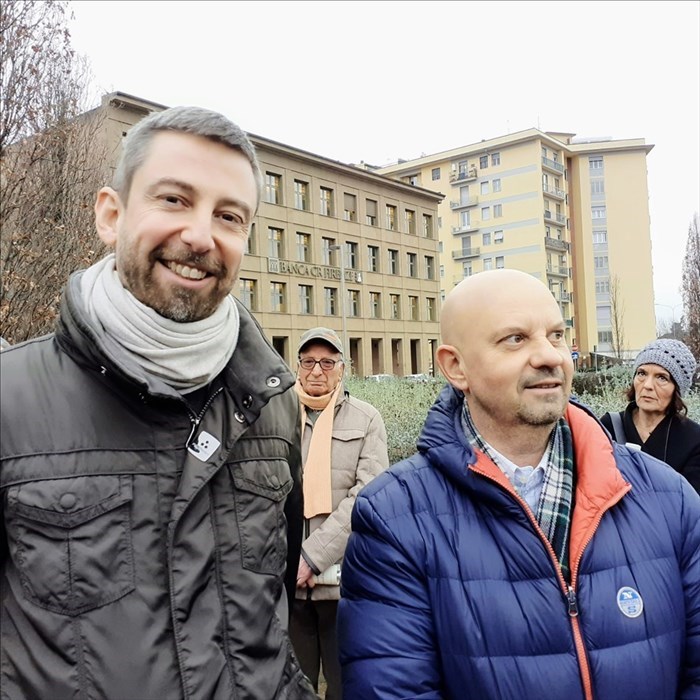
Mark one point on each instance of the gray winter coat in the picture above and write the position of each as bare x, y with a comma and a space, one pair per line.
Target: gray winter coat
132, 567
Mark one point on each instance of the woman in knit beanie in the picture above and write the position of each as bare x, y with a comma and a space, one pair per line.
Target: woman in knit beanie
655, 418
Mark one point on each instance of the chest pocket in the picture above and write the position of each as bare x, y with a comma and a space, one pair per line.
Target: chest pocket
70, 540
260, 487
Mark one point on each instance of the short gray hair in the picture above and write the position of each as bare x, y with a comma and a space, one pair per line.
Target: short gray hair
190, 120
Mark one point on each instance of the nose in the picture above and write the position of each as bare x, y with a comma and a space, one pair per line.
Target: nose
197, 233
547, 355
648, 382
317, 370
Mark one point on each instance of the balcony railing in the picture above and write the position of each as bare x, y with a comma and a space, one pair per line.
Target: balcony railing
466, 253
465, 228
551, 216
552, 165
556, 244
558, 270
463, 175
569, 322
463, 204
554, 191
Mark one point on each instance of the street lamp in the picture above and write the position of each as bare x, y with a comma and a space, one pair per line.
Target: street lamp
673, 315
341, 249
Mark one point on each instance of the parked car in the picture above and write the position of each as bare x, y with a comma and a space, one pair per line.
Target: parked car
422, 377
381, 377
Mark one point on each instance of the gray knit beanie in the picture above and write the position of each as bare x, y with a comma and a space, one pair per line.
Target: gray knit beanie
674, 357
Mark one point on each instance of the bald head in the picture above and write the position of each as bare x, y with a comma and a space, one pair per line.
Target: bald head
489, 294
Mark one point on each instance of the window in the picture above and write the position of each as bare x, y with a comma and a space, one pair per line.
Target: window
429, 267
301, 195
544, 151
306, 305
375, 305
495, 159
483, 162
485, 213
327, 257
602, 314
413, 180
598, 213
330, 301
600, 237
442, 271
304, 247
395, 304
435, 173
467, 270
273, 188
597, 186
250, 241
349, 207
605, 337
465, 219
351, 252
464, 194
373, 258
391, 217
275, 237
498, 237
496, 184
500, 262
410, 221
600, 262
393, 262
353, 302
497, 211
371, 212
602, 286
247, 294
488, 263
277, 296
412, 261
430, 308
326, 208
485, 187
413, 308
485, 239
427, 226
595, 162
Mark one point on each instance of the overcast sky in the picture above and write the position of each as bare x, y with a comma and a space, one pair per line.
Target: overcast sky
358, 80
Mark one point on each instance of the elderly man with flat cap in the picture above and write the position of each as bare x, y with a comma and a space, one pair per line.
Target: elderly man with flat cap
344, 447
520, 554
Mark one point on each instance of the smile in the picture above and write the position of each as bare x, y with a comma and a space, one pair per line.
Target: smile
190, 273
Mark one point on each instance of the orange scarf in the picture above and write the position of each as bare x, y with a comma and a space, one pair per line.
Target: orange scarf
318, 497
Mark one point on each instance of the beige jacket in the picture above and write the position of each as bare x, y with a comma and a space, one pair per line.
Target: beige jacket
358, 454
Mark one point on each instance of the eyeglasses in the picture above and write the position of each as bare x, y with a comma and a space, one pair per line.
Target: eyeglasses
326, 363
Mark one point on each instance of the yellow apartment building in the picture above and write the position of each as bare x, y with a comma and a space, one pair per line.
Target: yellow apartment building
572, 212
333, 245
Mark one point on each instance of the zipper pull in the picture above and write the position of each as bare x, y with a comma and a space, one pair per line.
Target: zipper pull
573, 603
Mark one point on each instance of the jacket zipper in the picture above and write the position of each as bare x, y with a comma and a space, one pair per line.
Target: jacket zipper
568, 591
197, 419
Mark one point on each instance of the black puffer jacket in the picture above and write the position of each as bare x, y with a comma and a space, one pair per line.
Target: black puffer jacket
132, 567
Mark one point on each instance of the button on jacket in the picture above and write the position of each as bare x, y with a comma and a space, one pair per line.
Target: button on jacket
132, 566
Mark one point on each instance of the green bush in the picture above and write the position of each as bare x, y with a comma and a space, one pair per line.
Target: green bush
404, 405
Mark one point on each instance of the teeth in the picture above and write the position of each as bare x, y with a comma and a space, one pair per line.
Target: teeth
186, 272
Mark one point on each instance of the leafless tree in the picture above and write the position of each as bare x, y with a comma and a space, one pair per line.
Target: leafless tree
54, 158
690, 287
617, 317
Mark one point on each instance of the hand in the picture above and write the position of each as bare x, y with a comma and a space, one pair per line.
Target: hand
305, 576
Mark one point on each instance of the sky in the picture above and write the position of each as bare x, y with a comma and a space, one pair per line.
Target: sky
361, 80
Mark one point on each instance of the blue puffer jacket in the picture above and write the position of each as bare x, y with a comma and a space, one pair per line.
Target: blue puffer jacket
450, 589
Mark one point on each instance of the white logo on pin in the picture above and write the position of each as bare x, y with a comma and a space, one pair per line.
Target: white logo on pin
629, 602
205, 446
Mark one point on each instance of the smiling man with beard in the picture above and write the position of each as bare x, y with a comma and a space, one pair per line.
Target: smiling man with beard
520, 554
150, 464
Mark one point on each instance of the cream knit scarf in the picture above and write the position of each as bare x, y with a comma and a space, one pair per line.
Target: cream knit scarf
318, 496
187, 356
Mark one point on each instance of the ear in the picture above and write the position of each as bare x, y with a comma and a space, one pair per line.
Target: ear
108, 210
452, 366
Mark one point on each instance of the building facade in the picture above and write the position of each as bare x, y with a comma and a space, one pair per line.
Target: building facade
333, 245
572, 212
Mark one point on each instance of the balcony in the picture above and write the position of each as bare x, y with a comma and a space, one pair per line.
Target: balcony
554, 218
554, 192
564, 297
464, 228
569, 322
471, 202
556, 244
466, 253
560, 270
463, 176
552, 165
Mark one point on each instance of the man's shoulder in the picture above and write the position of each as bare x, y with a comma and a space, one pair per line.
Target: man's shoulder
645, 472
352, 403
